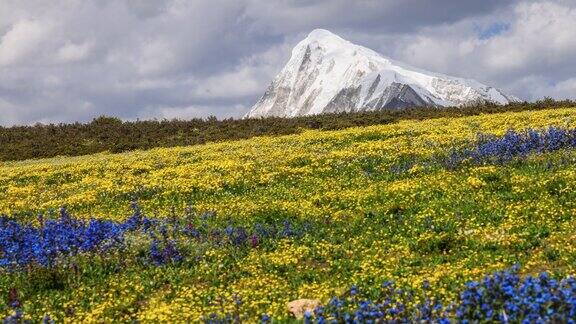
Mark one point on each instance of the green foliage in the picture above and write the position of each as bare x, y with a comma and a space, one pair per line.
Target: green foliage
112, 134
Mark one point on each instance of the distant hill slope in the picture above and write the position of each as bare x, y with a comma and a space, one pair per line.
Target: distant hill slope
111, 134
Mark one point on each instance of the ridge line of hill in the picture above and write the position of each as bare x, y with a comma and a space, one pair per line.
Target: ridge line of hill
113, 135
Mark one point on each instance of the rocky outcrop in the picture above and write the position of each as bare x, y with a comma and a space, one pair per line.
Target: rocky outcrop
298, 307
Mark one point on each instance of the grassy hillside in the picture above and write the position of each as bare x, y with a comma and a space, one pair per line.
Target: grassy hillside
113, 135
242, 227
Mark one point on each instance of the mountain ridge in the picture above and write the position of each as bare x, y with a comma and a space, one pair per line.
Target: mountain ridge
327, 73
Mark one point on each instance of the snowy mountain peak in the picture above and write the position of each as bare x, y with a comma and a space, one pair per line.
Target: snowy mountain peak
327, 73
322, 35
322, 38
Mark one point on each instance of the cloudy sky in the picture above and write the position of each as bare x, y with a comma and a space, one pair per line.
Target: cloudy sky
69, 60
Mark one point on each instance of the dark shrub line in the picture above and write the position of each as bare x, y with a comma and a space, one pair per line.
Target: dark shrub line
114, 135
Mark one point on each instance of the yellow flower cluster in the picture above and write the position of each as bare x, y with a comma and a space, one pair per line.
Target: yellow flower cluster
290, 173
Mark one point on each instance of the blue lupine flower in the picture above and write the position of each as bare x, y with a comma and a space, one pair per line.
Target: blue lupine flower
307, 317
353, 290
265, 318
53, 239
503, 296
513, 144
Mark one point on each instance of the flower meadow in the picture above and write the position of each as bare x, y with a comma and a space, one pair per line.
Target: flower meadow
447, 220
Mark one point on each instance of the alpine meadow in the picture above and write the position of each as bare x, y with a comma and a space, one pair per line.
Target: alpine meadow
235, 230
287, 161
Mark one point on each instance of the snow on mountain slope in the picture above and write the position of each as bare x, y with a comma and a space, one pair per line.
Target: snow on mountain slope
329, 74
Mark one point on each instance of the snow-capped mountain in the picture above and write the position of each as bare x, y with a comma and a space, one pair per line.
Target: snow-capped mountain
329, 74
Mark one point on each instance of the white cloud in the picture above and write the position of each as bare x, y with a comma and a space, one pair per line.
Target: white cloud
22, 40
9, 113
543, 33
541, 87
243, 81
71, 52
189, 112
155, 57
566, 87
539, 44
249, 78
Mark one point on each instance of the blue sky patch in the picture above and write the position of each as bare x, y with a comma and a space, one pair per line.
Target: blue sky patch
493, 30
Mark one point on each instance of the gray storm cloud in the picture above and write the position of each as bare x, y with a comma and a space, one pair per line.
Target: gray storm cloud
65, 60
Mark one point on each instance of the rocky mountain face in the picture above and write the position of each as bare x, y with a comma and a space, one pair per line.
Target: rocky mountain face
329, 74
